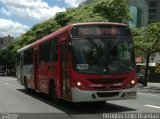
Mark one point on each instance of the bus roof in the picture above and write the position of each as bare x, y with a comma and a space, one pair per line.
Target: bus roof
63, 29
105, 23
51, 35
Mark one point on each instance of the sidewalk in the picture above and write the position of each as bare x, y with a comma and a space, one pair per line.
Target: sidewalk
155, 86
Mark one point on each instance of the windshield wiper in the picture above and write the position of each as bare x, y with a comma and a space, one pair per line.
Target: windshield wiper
115, 42
98, 47
93, 43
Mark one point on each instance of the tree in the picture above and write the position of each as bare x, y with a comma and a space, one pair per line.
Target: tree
147, 40
99, 10
113, 10
7, 59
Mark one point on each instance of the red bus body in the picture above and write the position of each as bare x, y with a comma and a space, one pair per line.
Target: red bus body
76, 82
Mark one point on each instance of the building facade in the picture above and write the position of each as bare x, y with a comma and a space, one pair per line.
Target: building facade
5, 41
139, 13
153, 10
144, 12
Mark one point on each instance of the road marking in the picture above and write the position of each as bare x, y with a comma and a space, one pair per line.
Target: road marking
12, 78
147, 94
8, 78
8, 84
153, 106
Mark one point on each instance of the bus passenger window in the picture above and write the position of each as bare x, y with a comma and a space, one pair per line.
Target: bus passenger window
53, 50
18, 59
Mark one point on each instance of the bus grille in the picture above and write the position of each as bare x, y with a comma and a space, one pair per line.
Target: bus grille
107, 81
108, 94
107, 84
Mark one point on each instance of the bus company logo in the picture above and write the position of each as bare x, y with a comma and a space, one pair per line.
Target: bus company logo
107, 86
117, 84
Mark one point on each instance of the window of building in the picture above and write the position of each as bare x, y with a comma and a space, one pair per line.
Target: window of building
152, 17
152, 10
153, 4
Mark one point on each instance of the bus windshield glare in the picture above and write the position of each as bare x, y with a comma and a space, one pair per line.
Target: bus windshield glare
103, 56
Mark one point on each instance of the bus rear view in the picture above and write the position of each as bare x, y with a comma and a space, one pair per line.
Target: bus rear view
103, 63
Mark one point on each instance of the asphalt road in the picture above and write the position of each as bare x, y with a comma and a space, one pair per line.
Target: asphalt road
14, 102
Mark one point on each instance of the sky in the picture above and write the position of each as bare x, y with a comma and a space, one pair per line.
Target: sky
18, 16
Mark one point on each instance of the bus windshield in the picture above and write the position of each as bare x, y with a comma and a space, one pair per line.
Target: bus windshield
103, 56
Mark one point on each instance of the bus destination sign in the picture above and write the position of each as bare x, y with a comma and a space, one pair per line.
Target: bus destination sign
99, 31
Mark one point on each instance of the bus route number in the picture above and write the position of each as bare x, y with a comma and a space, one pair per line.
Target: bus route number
82, 66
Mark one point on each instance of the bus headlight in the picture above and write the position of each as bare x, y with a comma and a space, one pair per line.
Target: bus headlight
81, 85
78, 83
133, 82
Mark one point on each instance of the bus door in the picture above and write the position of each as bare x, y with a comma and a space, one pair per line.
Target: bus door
66, 89
35, 68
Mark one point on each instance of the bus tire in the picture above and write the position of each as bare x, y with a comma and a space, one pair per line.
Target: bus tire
52, 93
26, 86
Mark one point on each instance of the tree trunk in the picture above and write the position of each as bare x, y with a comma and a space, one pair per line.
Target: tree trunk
146, 70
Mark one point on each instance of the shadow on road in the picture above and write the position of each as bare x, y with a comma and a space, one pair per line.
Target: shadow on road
79, 108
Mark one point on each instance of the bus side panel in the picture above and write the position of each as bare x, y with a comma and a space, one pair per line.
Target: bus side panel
36, 68
43, 77
18, 74
21, 68
29, 76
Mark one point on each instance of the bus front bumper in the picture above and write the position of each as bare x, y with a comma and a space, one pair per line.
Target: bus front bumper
92, 96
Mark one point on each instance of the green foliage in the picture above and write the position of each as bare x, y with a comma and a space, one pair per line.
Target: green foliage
7, 57
85, 14
100, 10
62, 18
114, 10
36, 32
147, 39
82, 14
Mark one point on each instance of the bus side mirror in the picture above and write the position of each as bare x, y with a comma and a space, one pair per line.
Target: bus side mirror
69, 47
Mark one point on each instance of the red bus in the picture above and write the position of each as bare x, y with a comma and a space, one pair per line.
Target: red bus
82, 62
